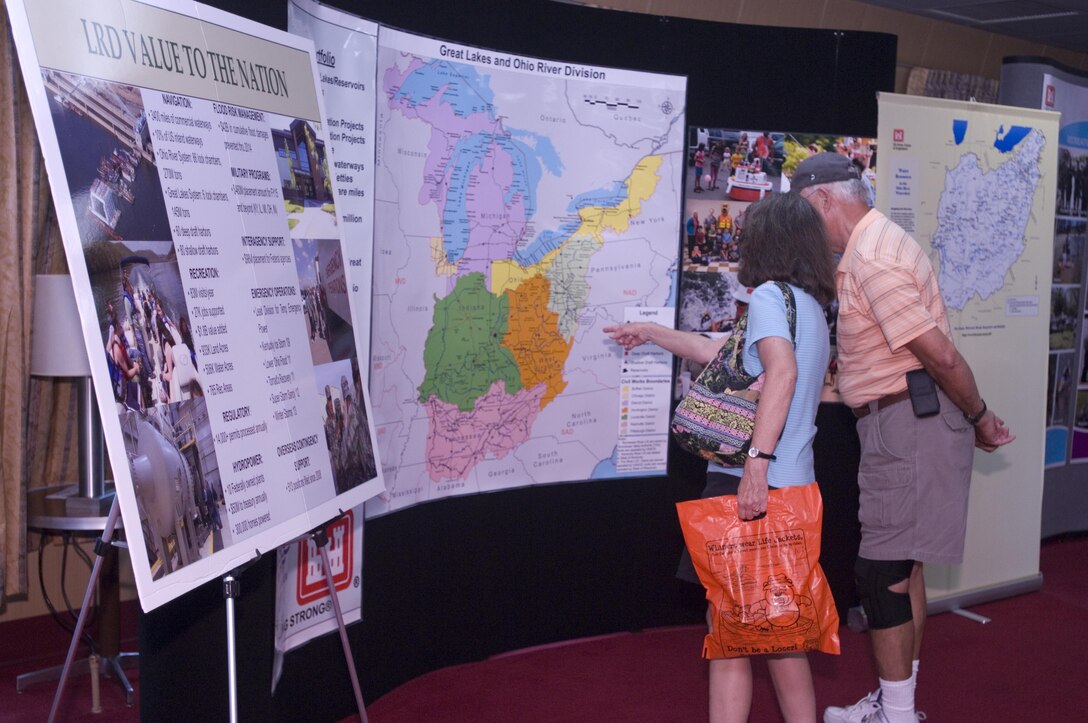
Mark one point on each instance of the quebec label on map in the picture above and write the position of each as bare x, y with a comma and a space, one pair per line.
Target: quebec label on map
187, 156
975, 185
522, 205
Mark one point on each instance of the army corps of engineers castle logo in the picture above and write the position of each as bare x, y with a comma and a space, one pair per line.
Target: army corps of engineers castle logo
311, 575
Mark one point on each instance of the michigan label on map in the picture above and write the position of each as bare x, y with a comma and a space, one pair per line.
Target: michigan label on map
983, 215
522, 205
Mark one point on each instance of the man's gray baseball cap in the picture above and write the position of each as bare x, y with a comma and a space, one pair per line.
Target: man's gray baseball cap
824, 167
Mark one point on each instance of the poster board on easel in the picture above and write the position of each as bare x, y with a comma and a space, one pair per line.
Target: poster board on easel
186, 156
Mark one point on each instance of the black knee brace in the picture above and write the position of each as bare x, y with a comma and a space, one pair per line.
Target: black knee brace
883, 607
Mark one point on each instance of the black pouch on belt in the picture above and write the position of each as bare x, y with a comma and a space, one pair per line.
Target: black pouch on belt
923, 393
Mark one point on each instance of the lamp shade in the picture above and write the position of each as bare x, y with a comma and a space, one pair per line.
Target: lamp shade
57, 348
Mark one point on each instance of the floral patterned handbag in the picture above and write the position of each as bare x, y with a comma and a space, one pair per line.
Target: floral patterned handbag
716, 417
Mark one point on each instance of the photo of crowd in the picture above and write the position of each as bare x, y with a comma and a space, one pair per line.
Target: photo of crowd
147, 336
730, 169
711, 234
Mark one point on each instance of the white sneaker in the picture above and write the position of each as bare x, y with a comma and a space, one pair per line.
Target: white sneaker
878, 716
866, 710
856, 713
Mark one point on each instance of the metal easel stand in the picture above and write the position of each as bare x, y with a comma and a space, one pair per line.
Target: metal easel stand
101, 547
232, 588
320, 536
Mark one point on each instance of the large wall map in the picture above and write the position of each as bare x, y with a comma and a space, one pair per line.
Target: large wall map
521, 205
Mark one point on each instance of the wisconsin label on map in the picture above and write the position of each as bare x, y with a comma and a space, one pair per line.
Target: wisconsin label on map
983, 215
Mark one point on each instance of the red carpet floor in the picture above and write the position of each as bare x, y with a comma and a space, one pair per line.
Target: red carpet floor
1029, 664
21, 646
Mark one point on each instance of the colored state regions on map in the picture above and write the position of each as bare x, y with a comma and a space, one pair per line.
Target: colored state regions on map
495, 357
464, 354
982, 218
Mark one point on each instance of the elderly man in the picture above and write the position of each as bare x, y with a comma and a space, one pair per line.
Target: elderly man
919, 416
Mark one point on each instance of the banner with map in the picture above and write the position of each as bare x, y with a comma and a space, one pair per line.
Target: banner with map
345, 48
521, 205
975, 185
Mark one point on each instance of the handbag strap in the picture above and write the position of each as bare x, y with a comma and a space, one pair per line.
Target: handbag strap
736, 352
791, 308
731, 354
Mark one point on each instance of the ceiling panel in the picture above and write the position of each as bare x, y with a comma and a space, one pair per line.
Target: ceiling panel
1057, 23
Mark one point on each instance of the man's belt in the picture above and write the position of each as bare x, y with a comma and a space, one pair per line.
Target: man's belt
862, 412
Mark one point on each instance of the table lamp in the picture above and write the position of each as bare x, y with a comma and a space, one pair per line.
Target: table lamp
58, 350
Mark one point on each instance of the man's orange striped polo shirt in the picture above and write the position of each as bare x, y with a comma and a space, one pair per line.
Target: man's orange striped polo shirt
888, 296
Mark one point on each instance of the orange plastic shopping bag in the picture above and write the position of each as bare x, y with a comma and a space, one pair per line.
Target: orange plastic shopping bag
763, 580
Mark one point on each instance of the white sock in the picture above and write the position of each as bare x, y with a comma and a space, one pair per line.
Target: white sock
897, 699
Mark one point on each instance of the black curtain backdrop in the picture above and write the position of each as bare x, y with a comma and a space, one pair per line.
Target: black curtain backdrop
739, 76
461, 579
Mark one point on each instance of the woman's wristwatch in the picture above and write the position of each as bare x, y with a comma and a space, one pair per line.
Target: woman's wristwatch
756, 453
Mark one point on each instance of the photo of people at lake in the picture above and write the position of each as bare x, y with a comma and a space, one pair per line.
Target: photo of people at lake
709, 301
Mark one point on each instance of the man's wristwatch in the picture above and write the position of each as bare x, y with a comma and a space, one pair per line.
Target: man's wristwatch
756, 453
974, 419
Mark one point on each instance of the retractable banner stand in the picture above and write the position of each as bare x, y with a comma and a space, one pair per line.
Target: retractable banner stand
346, 49
186, 151
1037, 82
1067, 391
975, 185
